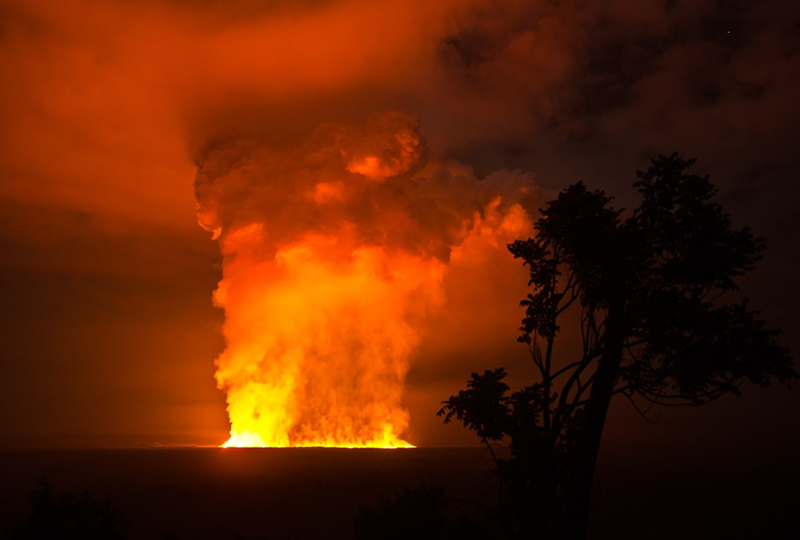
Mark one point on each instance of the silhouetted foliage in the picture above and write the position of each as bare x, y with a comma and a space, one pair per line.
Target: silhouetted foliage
413, 513
648, 291
68, 517
420, 513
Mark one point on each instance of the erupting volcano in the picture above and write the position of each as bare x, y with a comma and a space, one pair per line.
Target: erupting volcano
334, 250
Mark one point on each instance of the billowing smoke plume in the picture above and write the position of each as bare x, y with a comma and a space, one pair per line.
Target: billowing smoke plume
334, 250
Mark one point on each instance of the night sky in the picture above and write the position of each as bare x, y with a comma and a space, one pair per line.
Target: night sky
109, 333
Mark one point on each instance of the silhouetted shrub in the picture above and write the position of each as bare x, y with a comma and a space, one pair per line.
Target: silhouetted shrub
68, 517
418, 513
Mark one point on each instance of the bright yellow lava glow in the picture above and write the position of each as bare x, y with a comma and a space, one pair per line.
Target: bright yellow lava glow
247, 439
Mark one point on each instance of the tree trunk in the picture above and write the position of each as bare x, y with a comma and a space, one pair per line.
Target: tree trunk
588, 445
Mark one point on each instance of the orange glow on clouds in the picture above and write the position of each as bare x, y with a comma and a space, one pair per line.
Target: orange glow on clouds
326, 296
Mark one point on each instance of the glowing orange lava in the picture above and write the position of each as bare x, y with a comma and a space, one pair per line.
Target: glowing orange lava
333, 254
318, 342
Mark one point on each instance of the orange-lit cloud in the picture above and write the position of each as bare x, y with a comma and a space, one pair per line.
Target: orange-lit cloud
106, 105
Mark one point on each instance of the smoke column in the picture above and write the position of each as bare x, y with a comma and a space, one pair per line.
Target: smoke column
334, 250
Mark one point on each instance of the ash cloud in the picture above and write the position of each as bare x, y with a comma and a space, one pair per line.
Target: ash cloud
379, 180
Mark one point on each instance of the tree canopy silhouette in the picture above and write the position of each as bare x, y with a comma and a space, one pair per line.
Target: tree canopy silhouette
657, 325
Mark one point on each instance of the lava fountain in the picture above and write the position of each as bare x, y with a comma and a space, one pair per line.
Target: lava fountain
334, 249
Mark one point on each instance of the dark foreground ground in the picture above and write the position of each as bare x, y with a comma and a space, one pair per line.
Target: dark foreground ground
196, 493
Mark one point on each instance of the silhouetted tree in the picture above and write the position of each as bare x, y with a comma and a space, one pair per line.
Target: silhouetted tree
648, 291
68, 517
